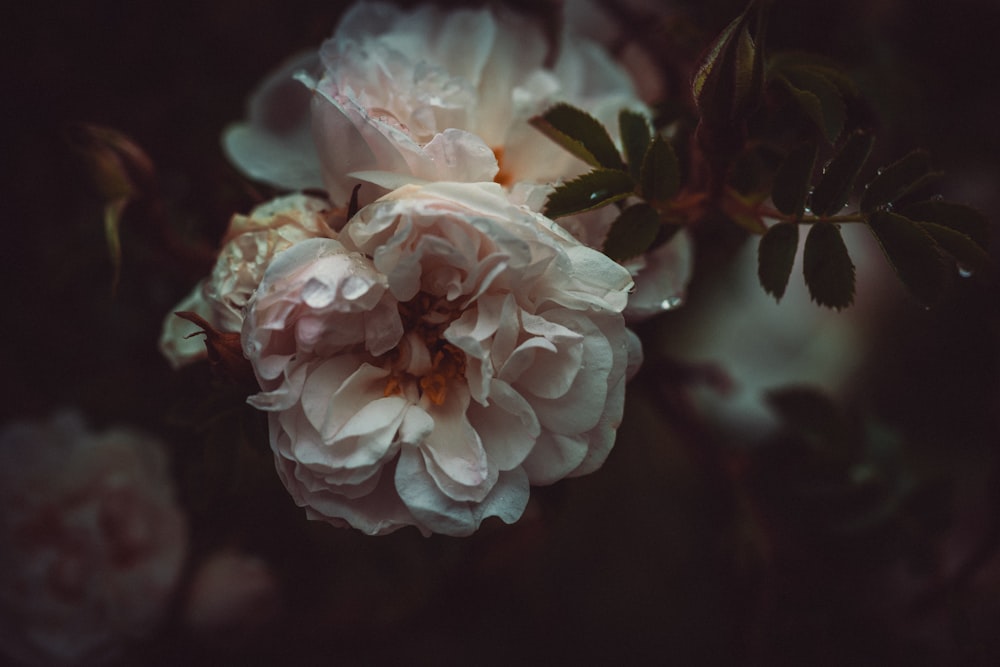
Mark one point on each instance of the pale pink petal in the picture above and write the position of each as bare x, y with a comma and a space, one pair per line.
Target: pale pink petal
554, 457
457, 155
276, 144
454, 450
508, 427
580, 408
380, 512
438, 513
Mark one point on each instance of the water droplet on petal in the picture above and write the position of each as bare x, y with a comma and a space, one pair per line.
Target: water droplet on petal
672, 302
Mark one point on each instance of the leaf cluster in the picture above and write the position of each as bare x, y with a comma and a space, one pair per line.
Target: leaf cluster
648, 170
771, 184
923, 240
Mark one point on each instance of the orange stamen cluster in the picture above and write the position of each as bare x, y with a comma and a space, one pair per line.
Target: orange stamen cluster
428, 318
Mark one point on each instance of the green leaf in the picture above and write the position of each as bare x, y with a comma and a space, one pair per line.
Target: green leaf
786, 62
834, 188
966, 252
913, 254
632, 233
635, 135
775, 257
961, 218
579, 133
661, 173
589, 191
708, 73
897, 180
820, 99
827, 268
791, 181
729, 81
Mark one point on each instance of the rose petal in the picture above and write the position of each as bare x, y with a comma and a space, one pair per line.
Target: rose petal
276, 145
438, 513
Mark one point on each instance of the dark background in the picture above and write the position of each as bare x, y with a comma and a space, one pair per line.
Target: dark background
654, 559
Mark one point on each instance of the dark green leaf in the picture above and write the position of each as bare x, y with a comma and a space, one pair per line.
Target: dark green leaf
960, 246
579, 133
820, 99
827, 267
775, 257
898, 179
635, 135
961, 218
661, 175
632, 233
913, 254
707, 76
834, 188
729, 81
589, 191
791, 181
782, 64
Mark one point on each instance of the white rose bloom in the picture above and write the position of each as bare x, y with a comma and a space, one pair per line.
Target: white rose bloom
428, 94
91, 541
249, 245
436, 95
448, 350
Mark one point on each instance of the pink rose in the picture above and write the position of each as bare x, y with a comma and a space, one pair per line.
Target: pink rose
448, 350
248, 246
92, 540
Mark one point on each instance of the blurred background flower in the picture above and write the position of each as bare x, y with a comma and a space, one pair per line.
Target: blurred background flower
91, 541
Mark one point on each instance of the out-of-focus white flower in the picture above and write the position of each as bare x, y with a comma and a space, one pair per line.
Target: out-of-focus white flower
429, 94
762, 345
249, 245
232, 593
91, 540
603, 22
448, 350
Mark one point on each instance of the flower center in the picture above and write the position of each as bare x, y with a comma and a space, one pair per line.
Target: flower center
423, 358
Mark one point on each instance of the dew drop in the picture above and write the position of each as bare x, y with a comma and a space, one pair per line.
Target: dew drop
600, 194
879, 171
964, 271
672, 302
937, 198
